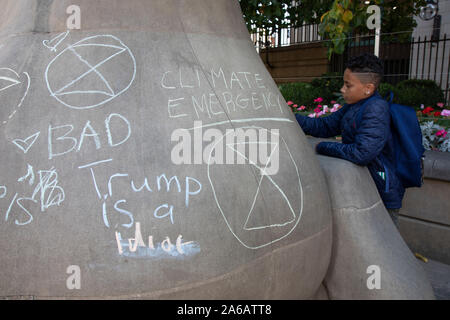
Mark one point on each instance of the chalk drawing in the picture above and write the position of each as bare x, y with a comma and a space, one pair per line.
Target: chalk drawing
53, 43
46, 193
163, 79
88, 131
90, 165
13, 82
50, 194
5, 190
108, 129
69, 91
261, 169
137, 248
240, 121
287, 226
190, 188
10, 206
27, 143
30, 173
10, 82
161, 252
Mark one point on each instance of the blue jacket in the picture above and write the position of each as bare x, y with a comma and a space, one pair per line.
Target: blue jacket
368, 144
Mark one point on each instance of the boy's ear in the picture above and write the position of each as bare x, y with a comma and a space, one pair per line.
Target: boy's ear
370, 88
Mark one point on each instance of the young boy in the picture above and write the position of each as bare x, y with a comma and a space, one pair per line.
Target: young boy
366, 138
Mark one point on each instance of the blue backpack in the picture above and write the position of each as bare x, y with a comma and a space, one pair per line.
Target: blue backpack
408, 147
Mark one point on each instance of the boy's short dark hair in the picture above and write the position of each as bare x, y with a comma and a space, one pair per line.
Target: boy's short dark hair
368, 64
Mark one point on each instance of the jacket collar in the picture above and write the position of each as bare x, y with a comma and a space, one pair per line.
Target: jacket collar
360, 102
374, 95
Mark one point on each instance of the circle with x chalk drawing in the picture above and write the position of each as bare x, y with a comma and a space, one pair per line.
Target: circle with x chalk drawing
91, 72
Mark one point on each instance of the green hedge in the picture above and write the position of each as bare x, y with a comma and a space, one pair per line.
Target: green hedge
299, 92
416, 92
331, 84
304, 93
408, 92
385, 88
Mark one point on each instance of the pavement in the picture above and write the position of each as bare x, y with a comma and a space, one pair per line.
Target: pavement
439, 275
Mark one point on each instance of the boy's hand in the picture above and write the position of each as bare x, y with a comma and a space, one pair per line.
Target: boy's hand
314, 142
321, 147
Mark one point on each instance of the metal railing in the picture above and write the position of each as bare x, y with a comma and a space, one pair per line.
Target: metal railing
286, 36
424, 58
419, 58
430, 59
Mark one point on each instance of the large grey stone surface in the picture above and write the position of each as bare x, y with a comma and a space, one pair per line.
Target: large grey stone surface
86, 121
429, 202
429, 239
439, 275
366, 244
425, 214
437, 165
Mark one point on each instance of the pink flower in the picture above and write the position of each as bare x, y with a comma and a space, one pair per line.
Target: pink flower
302, 108
321, 113
440, 104
441, 133
294, 106
332, 102
312, 115
289, 103
317, 110
335, 108
445, 113
318, 100
422, 106
325, 109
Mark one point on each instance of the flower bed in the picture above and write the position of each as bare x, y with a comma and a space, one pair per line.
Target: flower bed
434, 122
318, 109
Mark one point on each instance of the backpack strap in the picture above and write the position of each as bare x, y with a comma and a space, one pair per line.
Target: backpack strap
389, 97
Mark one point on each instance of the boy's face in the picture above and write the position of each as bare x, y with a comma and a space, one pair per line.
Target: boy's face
353, 89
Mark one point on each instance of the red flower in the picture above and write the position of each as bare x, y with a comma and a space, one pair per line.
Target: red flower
319, 100
427, 110
437, 113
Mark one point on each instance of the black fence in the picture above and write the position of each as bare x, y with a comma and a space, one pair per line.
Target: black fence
287, 36
418, 58
430, 59
425, 58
